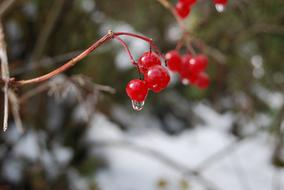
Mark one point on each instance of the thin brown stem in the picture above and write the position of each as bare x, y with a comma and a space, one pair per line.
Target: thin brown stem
181, 24
69, 64
149, 40
169, 6
126, 49
51, 19
110, 35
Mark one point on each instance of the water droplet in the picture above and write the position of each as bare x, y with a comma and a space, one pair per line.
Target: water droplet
137, 106
220, 8
185, 81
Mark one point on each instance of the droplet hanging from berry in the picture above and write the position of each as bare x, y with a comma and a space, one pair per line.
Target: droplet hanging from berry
185, 81
220, 5
137, 91
137, 106
220, 8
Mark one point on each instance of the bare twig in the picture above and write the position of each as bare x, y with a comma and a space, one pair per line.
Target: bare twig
15, 104
34, 91
219, 155
69, 64
126, 49
263, 28
51, 19
80, 88
5, 76
107, 37
46, 62
167, 5
4, 6
182, 169
227, 150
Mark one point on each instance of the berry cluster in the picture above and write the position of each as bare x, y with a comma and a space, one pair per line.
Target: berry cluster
190, 68
156, 78
183, 7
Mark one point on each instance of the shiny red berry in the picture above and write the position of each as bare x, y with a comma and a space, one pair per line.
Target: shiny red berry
157, 78
203, 59
147, 60
188, 2
192, 78
198, 64
186, 58
222, 2
182, 9
185, 70
174, 60
202, 81
137, 90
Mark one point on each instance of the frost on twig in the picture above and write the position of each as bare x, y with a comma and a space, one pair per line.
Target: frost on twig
5, 76
79, 89
76, 89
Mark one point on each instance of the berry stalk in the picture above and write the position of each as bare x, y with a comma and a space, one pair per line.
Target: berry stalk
182, 26
126, 49
106, 38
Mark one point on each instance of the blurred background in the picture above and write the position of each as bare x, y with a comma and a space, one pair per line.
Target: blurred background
80, 131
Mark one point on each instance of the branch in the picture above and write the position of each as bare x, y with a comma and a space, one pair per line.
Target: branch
5, 6
5, 76
262, 28
126, 49
69, 64
107, 37
46, 62
182, 169
230, 148
80, 81
167, 5
15, 104
46, 31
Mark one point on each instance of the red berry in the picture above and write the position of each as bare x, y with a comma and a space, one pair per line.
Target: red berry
198, 64
222, 2
202, 81
188, 2
157, 78
185, 70
147, 60
182, 9
186, 58
203, 59
174, 60
192, 78
137, 90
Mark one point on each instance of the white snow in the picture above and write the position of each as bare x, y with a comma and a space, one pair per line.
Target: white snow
12, 170
246, 167
28, 147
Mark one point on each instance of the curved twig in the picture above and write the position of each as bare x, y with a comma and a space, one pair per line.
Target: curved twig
182, 169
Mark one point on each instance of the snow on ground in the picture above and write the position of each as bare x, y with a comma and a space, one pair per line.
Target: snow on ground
247, 167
